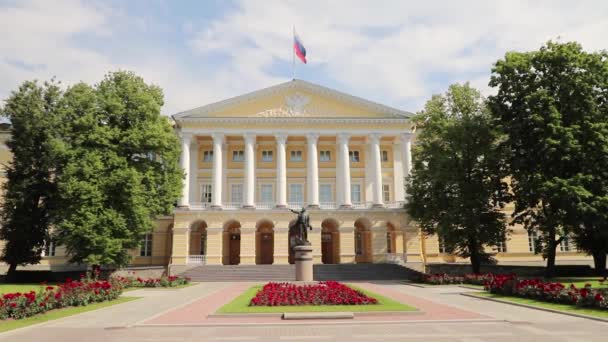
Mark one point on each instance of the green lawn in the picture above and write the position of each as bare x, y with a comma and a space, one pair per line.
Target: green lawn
11, 288
60, 313
580, 282
241, 305
560, 307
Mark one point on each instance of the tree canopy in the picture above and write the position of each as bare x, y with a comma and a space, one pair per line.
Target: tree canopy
457, 188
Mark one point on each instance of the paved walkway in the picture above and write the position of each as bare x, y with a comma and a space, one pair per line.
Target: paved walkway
127, 322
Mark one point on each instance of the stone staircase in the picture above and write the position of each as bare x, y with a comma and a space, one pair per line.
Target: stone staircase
342, 272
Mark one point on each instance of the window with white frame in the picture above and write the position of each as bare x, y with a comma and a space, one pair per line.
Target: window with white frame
267, 156
206, 193
146, 245
325, 156
566, 245
266, 193
384, 157
238, 156
236, 193
325, 193
207, 156
532, 241
441, 243
296, 193
355, 193
295, 155
49, 247
501, 247
386, 193
353, 156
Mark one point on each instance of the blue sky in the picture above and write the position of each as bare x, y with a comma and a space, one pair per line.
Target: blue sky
395, 52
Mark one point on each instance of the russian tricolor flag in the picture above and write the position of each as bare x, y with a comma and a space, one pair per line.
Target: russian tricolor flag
298, 47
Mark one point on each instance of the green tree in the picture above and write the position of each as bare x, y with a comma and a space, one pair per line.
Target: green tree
121, 168
552, 105
457, 188
30, 191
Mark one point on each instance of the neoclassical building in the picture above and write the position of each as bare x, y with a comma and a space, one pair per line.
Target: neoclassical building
250, 159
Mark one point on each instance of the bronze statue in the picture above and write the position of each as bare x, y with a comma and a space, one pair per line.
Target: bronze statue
302, 224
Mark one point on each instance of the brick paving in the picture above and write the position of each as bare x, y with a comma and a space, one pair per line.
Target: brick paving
197, 312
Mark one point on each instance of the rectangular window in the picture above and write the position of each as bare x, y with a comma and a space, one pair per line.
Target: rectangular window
355, 193
358, 243
146, 245
441, 243
325, 156
386, 193
206, 193
502, 246
389, 243
296, 156
296, 193
236, 193
207, 156
266, 156
566, 245
49, 247
266, 193
353, 156
384, 156
325, 194
532, 241
238, 156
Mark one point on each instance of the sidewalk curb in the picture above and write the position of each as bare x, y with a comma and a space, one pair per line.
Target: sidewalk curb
603, 320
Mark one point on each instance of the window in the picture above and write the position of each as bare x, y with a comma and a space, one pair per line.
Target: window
384, 156
325, 194
296, 156
501, 247
389, 242
325, 156
386, 193
236, 193
266, 156
146, 245
238, 156
355, 193
358, 243
566, 245
49, 247
296, 193
441, 243
266, 193
206, 193
207, 156
353, 156
533, 242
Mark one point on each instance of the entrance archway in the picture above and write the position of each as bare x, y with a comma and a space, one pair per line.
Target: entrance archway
198, 238
264, 242
330, 241
291, 241
363, 240
391, 238
231, 236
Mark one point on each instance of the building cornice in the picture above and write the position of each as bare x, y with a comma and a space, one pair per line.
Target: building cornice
297, 120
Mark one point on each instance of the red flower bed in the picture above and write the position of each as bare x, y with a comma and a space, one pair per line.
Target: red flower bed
323, 293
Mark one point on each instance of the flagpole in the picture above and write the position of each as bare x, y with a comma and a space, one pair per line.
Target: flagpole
293, 55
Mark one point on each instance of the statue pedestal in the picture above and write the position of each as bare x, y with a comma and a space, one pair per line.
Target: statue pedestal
304, 260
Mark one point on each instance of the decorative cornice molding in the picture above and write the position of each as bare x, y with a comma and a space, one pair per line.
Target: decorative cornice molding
309, 120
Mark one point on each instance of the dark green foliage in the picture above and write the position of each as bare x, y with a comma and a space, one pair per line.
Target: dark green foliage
457, 188
552, 105
30, 191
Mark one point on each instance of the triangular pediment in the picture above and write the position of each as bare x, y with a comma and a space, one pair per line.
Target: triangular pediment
295, 98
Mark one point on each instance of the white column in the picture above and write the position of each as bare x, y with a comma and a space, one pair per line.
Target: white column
185, 165
398, 168
312, 174
406, 150
343, 174
374, 141
193, 171
281, 170
249, 195
217, 171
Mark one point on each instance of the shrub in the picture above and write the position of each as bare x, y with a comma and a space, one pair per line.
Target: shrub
164, 281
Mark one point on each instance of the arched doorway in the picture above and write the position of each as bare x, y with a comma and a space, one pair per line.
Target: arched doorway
363, 240
291, 241
330, 241
391, 238
264, 242
198, 238
231, 253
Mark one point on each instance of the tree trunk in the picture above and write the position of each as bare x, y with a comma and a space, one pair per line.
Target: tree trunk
475, 260
599, 262
550, 269
11, 274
